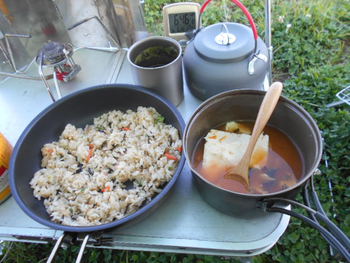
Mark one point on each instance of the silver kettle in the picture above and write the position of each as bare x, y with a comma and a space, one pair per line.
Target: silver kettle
225, 56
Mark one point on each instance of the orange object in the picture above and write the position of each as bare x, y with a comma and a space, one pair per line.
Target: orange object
91, 152
5, 154
179, 149
126, 129
222, 138
5, 10
108, 188
171, 157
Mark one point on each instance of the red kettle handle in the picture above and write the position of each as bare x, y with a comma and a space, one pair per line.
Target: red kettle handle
243, 8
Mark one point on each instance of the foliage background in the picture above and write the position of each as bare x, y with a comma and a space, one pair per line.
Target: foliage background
311, 40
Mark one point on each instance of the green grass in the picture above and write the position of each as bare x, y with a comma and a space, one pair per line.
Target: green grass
311, 41
22, 252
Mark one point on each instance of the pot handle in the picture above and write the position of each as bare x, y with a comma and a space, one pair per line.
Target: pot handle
331, 233
339, 244
243, 8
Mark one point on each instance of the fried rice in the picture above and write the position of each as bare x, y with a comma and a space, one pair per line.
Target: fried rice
109, 169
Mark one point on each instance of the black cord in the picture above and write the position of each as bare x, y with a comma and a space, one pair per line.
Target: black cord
315, 197
321, 214
335, 230
329, 237
307, 200
308, 203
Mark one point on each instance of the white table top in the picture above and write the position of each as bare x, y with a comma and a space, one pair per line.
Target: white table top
183, 223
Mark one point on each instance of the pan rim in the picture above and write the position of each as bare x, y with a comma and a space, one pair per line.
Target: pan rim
142, 210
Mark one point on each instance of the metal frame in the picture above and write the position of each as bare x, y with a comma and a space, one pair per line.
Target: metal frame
268, 37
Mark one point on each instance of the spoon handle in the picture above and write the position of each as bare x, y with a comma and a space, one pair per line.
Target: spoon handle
266, 108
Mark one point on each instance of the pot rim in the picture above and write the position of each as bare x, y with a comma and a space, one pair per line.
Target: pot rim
209, 102
145, 40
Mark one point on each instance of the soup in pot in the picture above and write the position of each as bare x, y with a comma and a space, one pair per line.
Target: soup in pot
275, 165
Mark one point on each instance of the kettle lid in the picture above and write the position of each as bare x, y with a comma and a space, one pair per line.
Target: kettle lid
225, 41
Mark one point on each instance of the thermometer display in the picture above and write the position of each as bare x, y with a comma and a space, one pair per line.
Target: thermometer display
182, 22
180, 18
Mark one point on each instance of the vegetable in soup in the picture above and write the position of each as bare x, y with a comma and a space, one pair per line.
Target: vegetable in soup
275, 164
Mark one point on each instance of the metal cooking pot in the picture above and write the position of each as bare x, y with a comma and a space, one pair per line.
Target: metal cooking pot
79, 109
243, 105
225, 56
292, 120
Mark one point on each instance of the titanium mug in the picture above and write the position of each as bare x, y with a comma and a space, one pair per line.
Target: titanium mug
156, 64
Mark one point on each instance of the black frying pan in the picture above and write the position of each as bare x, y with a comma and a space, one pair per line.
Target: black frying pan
79, 109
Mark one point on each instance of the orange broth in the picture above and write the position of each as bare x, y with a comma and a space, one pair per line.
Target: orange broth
284, 166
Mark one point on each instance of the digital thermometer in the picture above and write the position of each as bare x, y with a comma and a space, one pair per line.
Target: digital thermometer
179, 18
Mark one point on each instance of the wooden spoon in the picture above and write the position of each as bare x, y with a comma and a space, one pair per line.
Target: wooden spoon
241, 170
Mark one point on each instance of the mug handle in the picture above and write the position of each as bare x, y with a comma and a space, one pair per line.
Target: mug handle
245, 11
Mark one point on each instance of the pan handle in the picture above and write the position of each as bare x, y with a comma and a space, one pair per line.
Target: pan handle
58, 244
332, 233
331, 239
321, 214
